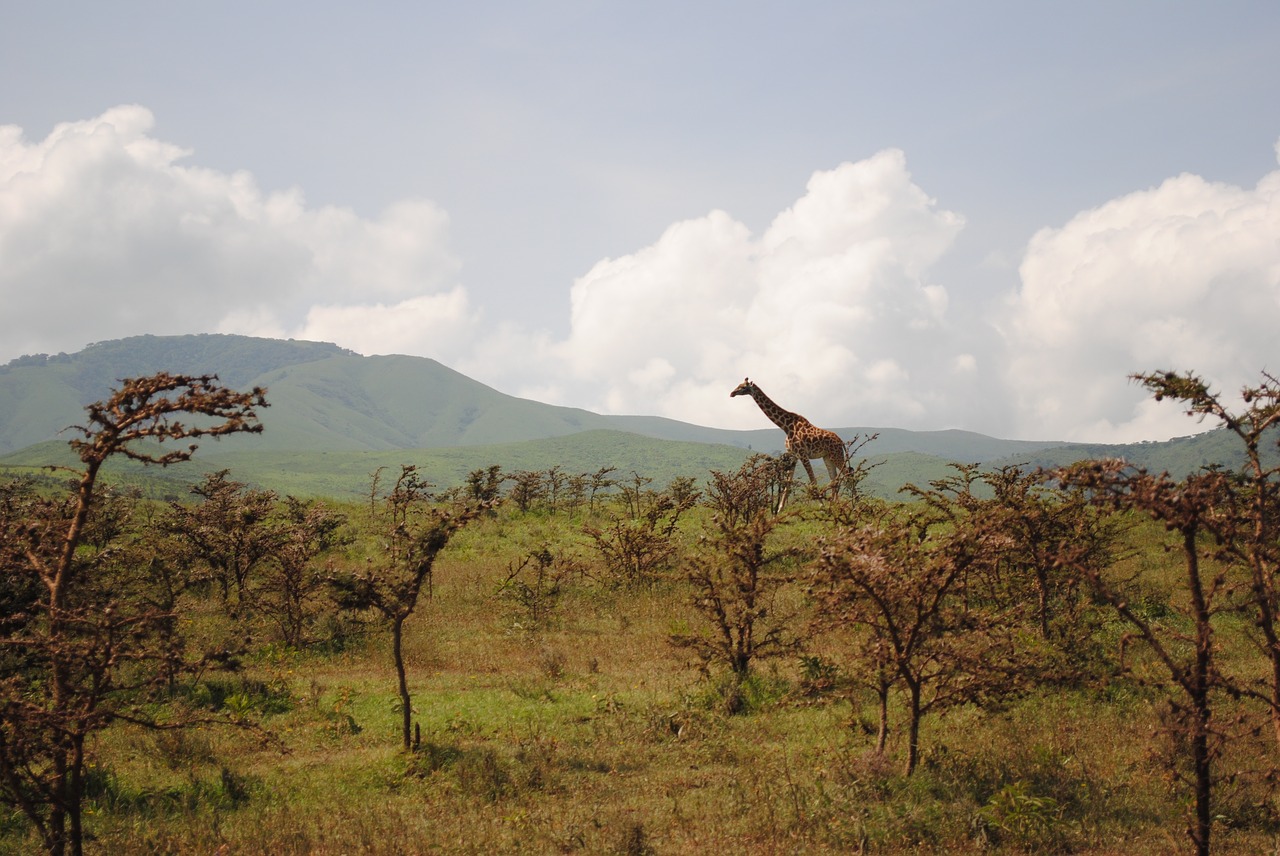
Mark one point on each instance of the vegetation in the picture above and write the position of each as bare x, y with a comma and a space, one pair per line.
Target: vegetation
415, 532
337, 416
1236, 573
343, 475
590, 660
734, 577
80, 653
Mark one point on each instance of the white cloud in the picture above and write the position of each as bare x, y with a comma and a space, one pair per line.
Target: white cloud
104, 234
1184, 276
829, 309
431, 323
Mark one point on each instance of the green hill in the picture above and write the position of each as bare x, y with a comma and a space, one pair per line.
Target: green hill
336, 416
325, 398
322, 397
1178, 457
346, 473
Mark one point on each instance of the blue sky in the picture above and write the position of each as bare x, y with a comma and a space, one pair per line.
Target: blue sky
927, 215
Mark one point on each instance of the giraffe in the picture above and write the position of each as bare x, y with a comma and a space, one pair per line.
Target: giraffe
804, 440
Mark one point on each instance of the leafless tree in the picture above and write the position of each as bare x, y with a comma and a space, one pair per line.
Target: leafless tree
1245, 522
555, 479
392, 584
292, 586
527, 488
902, 580
600, 481
1228, 532
1188, 656
1026, 522
637, 544
485, 484
736, 576
78, 657
229, 534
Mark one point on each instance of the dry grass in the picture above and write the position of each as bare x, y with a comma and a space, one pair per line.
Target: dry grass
596, 736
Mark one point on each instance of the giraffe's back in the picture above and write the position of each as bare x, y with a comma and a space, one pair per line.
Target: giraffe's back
808, 440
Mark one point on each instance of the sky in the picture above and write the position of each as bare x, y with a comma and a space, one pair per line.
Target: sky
926, 215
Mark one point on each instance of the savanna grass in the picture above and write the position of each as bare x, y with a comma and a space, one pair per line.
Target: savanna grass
594, 734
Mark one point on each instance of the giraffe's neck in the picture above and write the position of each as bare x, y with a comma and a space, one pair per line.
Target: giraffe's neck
784, 419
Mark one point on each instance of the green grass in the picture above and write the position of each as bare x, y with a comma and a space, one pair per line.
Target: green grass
597, 736
346, 475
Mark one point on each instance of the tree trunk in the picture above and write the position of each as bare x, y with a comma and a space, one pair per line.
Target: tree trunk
1263, 581
60, 784
1275, 690
1203, 785
57, 813
75, 795
882, 727
913, 729
406, 709
1198, 688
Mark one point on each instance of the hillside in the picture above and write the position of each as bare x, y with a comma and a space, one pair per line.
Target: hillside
346, 473
336, 416
325, 398
322, 397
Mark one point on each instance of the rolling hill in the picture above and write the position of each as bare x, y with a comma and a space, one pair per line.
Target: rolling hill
325, 398
322, 397
335, 416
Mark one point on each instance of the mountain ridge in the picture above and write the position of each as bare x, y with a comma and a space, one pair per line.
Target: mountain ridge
324, 397
356, 412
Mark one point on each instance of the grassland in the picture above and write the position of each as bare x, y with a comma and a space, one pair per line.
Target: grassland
345, 475
581, 727
593, 734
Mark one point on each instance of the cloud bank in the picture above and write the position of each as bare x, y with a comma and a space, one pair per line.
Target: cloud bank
834, 308
830, 307
104, 233
1184, 276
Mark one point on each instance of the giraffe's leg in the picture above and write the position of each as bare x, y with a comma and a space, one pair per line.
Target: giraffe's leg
808, 468
786, 474
836, 470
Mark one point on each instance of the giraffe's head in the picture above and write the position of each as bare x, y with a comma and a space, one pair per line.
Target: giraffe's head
744, 388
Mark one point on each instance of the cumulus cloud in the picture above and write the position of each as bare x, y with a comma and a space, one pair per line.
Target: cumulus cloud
830, 309
1183, 276
431, 323
105, 233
